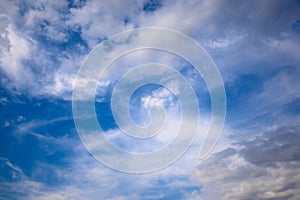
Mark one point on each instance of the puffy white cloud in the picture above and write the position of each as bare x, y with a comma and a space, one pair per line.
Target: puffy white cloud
17, 51
99, 20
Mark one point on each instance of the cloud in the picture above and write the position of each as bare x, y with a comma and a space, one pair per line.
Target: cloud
58, 34
64, 169
249, 29
46, 18
6, 124
99, 20
266, 167
13, 57
83, 177
3, 101
227, 42
21, 118
28, 127
30, 47
13, 177
160, 97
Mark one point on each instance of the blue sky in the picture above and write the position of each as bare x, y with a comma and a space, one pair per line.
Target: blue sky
255, 45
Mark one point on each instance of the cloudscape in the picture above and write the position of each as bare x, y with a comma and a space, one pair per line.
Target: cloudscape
50, 53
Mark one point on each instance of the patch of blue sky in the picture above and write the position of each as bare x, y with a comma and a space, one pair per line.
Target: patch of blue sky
240, 91
152, 5
292, 107
30, 120
162, 193
296, 25
198, 84
105, 116
72, 44
76, 3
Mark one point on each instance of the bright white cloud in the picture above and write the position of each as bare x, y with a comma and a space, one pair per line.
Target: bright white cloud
12, 58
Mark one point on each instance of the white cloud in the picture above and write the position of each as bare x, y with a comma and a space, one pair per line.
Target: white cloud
18, 180
3, 101
160, 97
99, 20
62, 83
229, 40
6, 124
20, 118
85, 178
12, 59
28, 127
49, 16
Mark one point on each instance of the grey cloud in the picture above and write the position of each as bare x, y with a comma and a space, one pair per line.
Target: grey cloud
266, 167
281, 145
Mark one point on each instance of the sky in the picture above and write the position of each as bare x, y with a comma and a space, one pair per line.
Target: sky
45, 47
